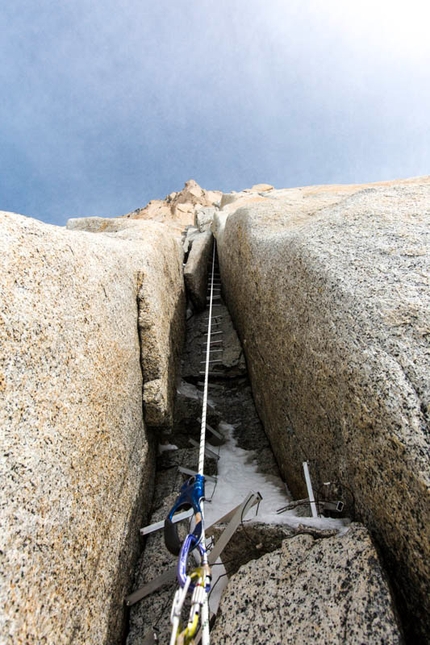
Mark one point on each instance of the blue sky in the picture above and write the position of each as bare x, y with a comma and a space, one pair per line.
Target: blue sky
107, 104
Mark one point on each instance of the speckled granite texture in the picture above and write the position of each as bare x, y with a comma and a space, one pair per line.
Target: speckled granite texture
328, 591
329, 289
161, 304
76, 463
196, 269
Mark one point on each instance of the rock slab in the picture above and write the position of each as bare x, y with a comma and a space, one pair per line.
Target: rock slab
328, 287
76, 458
329, 590
161, 303
196, 269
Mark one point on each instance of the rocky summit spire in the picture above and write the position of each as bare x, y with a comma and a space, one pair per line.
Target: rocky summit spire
178, 209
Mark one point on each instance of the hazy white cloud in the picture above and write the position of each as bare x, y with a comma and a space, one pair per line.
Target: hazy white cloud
108, 104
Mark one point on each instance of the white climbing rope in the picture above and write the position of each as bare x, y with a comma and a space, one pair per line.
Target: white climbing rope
207, 363
192, 494
205, 605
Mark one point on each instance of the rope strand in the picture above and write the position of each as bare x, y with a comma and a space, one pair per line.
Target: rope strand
205, 607
206, 381
192, 494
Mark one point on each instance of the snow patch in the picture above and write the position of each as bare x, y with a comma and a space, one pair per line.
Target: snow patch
163, 447
238, 475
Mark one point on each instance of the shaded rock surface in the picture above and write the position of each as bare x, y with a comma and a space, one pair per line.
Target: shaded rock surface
329, 590
76, 461
205, 217
196, 269
230, 400
329, 290
188, 412
231, 357
306, 592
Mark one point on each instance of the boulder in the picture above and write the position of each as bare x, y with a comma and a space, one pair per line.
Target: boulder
77, 460
188, 412
328, 590
204, 218
190, 233
260, 188
257, 193
193, 194
196, 269
328, 287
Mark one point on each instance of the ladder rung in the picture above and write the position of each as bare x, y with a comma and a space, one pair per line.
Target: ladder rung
208, 451
215, 386
160, 525
216, 434
188, 471
235, 517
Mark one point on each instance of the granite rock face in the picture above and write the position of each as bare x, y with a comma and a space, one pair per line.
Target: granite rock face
329, 290
329, 590
161, 303
77, 462
204, 218
196, 269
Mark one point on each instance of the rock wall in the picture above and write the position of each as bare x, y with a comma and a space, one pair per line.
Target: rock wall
329, 289
76, 460
161, 305
196, 269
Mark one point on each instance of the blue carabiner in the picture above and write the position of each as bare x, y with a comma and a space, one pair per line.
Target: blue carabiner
192, 492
